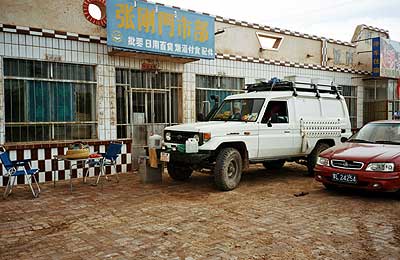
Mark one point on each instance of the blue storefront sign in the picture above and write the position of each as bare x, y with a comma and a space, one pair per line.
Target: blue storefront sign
376, 56
152, 28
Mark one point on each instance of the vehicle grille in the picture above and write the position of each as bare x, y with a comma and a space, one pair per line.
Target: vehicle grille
179, 137
346, 164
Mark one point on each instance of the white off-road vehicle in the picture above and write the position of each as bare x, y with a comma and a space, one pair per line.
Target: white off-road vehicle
273, 122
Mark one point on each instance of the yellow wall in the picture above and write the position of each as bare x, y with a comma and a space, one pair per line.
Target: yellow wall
243, 41
54, 14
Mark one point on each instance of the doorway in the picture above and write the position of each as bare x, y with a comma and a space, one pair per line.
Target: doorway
147, 102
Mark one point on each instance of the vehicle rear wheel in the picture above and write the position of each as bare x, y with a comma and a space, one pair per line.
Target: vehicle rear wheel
179, 172
228, 169
312, 157
274, 165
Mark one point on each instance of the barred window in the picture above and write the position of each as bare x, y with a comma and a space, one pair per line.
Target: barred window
350, 95
47, 101
146, 103
206, 86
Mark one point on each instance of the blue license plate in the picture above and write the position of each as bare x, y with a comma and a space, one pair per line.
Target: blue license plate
344, 178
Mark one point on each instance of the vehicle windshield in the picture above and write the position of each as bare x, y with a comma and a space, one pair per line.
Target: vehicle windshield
246, 110
385, 133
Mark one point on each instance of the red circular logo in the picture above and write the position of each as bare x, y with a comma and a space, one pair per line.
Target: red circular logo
101, 4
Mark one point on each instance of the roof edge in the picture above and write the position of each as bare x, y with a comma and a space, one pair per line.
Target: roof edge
361, 27
260, 26
280, 30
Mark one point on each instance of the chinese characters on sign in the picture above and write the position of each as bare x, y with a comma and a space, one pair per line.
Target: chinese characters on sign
376, 56
147, 27
385, 58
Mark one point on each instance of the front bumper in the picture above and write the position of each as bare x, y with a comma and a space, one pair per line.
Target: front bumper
200, 158
365, 180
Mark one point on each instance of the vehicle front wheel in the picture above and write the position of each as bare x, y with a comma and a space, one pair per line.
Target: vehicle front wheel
179, 172
397, 194
329, 186
274, 165
312, 157
228, 169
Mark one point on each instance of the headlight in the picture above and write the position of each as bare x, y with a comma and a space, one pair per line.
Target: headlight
322, 161
197, 137
168, 136
380, 167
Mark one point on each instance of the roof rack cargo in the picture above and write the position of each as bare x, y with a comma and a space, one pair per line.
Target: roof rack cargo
276, 84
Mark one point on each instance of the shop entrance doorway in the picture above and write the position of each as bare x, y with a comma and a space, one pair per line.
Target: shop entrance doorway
147, 102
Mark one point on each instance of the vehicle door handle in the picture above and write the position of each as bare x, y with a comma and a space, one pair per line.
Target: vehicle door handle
286, 131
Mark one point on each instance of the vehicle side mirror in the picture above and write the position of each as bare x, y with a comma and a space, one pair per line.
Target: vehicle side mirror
200, 117
269, 124
344, 139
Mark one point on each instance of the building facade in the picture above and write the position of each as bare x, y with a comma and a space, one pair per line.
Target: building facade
60, 81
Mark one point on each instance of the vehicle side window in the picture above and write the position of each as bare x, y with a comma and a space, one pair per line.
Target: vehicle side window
276, 112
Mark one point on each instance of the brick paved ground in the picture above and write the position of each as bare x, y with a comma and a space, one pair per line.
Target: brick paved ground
259, 220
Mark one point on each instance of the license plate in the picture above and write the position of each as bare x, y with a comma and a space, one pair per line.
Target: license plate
344, 178
164, 157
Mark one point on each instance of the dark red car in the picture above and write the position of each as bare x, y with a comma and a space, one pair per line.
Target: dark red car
370, 159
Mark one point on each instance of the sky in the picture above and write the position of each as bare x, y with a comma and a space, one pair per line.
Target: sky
332, 19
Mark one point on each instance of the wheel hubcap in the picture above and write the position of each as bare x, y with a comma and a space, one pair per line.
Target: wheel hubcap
232, 169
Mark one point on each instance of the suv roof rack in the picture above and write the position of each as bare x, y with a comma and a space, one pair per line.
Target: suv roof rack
278, 85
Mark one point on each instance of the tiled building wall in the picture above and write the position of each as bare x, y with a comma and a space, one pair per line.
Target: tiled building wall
93, 51
106, 105
2, 105
251, 72
357, 81
78, 51
42, 157
82, 51
189, 94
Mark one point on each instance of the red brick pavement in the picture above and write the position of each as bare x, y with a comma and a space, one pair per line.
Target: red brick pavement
261, 219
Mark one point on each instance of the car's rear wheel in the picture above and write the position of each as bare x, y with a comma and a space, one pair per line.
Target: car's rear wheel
274, 165
312, 157
179, 172
228, 169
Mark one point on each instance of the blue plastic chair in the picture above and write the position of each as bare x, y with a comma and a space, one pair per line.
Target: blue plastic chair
109, 158
15, 169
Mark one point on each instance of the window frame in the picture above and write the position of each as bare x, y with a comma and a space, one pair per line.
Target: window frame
232, 101
168, 86
348, 99
266, 110
277, 44
219, 87
50, 77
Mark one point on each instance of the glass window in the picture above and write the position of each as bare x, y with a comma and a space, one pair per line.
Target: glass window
49, 101
147, 100
350, 96
239, 110
378, 133
209, 86
276, 113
